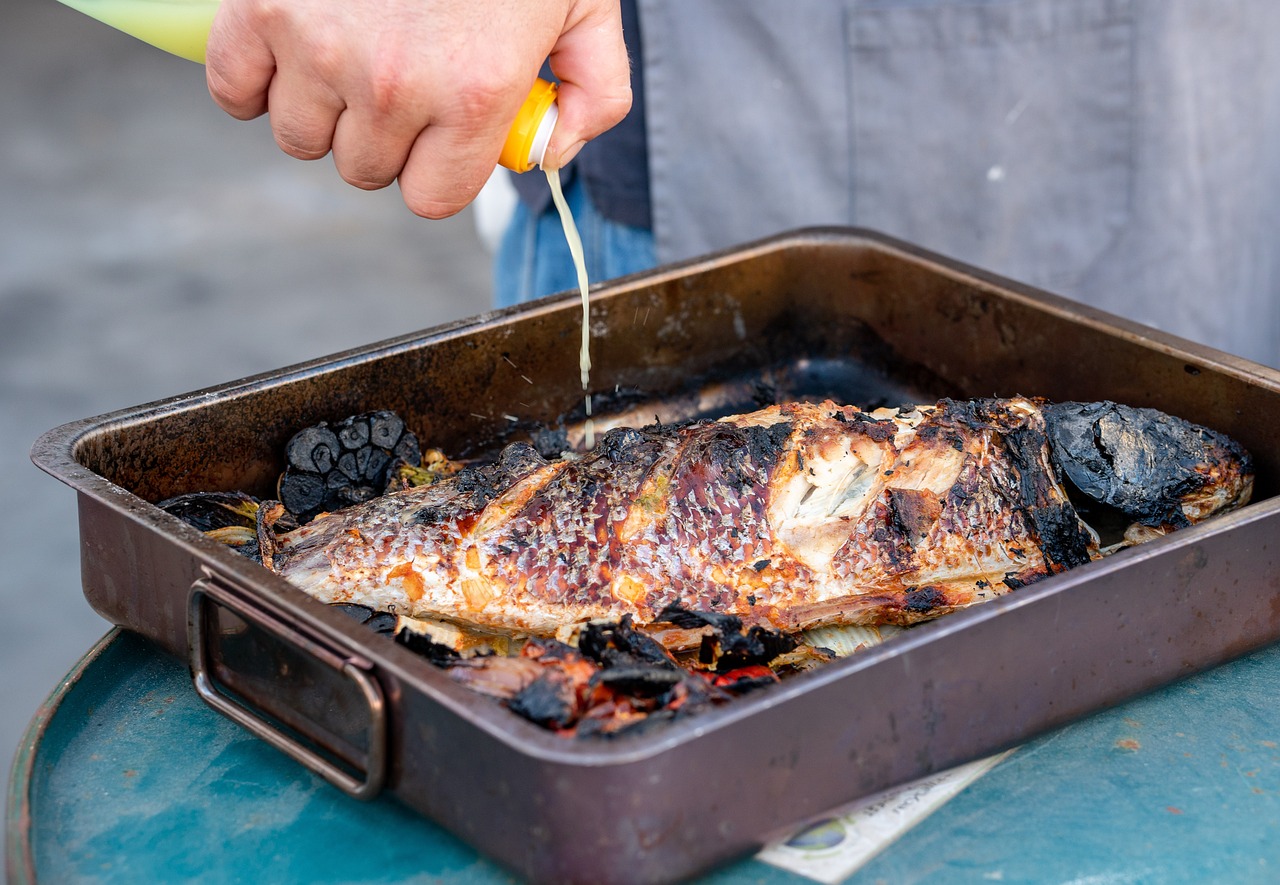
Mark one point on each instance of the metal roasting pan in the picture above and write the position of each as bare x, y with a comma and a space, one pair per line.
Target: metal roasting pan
841, 312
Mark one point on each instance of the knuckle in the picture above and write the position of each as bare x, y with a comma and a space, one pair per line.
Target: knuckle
390, 90
328, 57
270, 13
481, 94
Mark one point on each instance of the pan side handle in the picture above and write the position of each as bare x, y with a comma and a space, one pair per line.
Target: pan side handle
251, 702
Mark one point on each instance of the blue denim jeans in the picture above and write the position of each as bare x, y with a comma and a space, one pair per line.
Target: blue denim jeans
533, 259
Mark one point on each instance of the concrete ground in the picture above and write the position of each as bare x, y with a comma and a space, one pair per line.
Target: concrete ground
151, 245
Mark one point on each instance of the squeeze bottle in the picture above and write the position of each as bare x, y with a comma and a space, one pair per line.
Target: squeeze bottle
182, 28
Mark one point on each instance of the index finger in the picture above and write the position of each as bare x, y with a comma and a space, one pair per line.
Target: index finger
238, 64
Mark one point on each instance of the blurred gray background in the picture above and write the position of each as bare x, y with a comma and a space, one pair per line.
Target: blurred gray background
151, 245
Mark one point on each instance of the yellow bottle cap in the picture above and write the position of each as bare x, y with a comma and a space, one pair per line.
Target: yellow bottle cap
531, 132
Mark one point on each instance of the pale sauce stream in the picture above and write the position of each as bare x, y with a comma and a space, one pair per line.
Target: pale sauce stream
580, 264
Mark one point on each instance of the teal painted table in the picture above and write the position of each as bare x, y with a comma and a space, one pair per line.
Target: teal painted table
125, 776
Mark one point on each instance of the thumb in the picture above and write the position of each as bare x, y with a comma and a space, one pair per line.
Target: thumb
590, 61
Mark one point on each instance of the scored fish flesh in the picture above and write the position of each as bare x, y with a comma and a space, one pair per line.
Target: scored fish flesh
796, 516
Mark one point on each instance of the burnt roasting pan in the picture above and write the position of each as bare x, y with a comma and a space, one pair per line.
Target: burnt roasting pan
823, 312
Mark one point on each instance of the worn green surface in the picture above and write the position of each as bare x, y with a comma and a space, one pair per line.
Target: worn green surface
134, 779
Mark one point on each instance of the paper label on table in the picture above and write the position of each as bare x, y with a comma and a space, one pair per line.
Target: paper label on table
834, 847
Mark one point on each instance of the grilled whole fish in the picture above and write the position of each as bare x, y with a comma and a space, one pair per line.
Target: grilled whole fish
795, 516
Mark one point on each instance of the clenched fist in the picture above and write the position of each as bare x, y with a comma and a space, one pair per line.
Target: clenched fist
420, 91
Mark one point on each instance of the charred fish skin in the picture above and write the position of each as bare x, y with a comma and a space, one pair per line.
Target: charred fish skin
1158, 469
963, 506
1064, 539
795, 516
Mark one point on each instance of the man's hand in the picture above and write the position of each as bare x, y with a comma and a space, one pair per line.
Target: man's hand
422, 91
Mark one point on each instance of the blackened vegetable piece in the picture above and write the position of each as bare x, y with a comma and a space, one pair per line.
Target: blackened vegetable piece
334, 466
387, 624
420, 643
302, 493
622, 645
728, 648
757, 648
208, 511
691, 620
550, 700
314, 449
381, 622
558, 696
230, 518
640, 681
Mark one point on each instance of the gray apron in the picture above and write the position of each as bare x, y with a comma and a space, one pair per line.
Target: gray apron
1125, 153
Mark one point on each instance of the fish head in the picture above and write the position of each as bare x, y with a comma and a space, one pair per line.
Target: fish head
1158, 469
